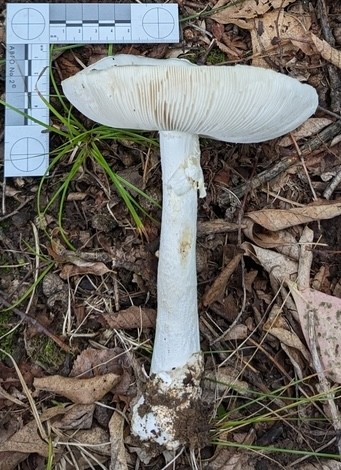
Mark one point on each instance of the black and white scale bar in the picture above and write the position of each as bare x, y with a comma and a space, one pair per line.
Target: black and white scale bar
31, 28
114, 23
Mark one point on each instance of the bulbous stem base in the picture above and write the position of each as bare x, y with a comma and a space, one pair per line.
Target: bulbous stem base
169, 412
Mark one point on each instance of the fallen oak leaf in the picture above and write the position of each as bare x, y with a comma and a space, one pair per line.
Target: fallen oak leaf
27, 440
216, 226
81, 391
84, 267
132, 317
245, 10
78, 263
279, 219
91, 362
11, 460
216, 291
280, 328
328, 52
278, 32
289, 338
311, 127
279, 266
95, 439
282, 240
222, 379
90, 447
272, 32
76, 417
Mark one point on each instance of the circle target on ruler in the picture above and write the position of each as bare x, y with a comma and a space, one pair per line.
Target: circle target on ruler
27, 154
158, 23
28, 24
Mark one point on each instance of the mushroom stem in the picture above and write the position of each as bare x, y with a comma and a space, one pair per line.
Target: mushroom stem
177, 325
238, 104
172, 396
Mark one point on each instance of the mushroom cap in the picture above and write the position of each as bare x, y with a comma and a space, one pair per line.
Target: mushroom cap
234, 104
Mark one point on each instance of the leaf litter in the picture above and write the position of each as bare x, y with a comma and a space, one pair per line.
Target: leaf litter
261, 320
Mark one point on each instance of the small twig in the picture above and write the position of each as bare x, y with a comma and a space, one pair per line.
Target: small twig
18, 209
3, 199
299, 153
264, 177
281, 198
332, 185
284, 164
327, 111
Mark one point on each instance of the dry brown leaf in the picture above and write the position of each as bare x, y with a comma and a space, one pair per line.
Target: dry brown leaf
11, 460
90, 448
249, 278
327, 51
236, 47
296, 359
278, 32
76, 417
237, 332
283, 241
325, 313
84, 267
216, 291
216, 226
279, 219
118, 452
272, 32
91, 362
281, 267
217, 30
290, 339
278, 327
77, 263
244, 10
227, 50
132, 317
82, 391
96, 438
27, 440
309, 128
221, 380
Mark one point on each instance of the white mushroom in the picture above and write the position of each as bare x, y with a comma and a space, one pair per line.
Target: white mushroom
182, 101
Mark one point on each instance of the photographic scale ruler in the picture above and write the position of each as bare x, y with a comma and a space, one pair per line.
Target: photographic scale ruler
31, 28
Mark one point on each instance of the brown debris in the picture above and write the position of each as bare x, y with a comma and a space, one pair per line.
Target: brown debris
82, 391
132, 317
216, 291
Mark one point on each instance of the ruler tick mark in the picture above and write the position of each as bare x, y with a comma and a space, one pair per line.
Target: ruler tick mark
31, 30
